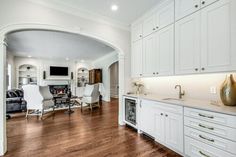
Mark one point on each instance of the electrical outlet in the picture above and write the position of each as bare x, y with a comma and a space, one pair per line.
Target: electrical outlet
213, 90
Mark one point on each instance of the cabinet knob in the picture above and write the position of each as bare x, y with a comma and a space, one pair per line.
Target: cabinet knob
196, 6
140, 74
154, 29
157, 27
166, 115
157, 73
203, 69
161, 114
140, 36
153, 73
196, 69
203, 2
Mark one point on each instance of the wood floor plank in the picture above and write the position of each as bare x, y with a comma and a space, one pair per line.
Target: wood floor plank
95, 134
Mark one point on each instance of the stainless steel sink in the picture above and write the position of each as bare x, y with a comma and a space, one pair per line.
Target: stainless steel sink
173, 99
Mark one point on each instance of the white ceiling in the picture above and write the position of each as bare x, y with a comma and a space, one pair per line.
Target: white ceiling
49, 44
128, 12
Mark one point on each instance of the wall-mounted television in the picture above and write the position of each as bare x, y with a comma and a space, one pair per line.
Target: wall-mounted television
58, 71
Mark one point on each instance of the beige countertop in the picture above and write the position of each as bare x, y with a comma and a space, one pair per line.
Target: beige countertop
192, 103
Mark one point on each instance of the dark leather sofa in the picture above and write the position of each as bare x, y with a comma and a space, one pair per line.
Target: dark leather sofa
14, 101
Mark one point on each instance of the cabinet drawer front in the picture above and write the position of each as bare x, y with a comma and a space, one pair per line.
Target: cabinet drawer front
213, 117
194, 148
215, 129
212, 140
168, 107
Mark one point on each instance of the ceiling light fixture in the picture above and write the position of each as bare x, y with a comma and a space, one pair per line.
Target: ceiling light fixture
29, 56
67, 59
114, 7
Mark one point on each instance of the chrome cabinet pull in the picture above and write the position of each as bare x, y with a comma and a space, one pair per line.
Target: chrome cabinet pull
211, 140
196, 6
203, 154
203, 2
202, 115
206, 127
196, 69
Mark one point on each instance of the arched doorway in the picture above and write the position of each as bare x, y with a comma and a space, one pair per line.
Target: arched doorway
19, 27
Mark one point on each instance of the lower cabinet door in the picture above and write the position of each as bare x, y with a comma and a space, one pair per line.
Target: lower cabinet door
159, 126
174, 131
147, 118
194, 148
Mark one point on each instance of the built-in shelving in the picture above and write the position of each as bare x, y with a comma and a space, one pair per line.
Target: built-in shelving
27, 74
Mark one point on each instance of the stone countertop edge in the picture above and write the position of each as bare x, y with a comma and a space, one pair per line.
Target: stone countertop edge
191, 103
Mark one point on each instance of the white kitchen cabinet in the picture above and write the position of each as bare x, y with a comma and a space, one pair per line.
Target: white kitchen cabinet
217, 53
186, 7
163, 17
136, 58
158, 53
174, 130
203, 41
187, 45
194, 148
147, 118
149, 25
137, 31
149, 55
159, 126
165, 51
163, 122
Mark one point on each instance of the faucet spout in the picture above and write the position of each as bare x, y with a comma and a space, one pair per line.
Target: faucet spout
181, 93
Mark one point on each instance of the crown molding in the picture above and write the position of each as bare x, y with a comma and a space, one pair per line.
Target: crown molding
82, 13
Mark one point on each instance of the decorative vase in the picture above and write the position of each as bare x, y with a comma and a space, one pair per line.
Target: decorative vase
228, 91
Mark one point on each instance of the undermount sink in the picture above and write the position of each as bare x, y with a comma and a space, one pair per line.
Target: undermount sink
173, 99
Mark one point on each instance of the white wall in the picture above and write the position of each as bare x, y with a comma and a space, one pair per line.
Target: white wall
20, 12
114, 80
104, 64
195, 86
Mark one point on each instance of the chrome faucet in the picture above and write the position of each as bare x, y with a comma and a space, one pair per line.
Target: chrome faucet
181, 93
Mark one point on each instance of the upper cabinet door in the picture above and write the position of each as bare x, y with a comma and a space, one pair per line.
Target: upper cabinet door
136, 58
186, 7
165, 15
149, 55
149, 26
165, 50
205, 3
187, 45
217, 52
137, 32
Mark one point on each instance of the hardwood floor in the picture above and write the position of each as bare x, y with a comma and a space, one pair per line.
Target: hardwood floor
94, 134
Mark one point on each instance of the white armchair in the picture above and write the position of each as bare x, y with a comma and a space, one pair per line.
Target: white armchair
39, 100
91, 96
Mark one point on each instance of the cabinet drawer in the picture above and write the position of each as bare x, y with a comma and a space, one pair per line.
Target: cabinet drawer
194, 148
215, 129
212, 140
167, 107
213, 117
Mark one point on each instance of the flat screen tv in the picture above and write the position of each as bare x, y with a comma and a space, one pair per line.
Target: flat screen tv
58, 71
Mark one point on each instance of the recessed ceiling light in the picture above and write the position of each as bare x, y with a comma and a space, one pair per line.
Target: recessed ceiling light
114, 7
29, 56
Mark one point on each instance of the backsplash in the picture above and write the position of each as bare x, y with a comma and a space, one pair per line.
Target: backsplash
195, 86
